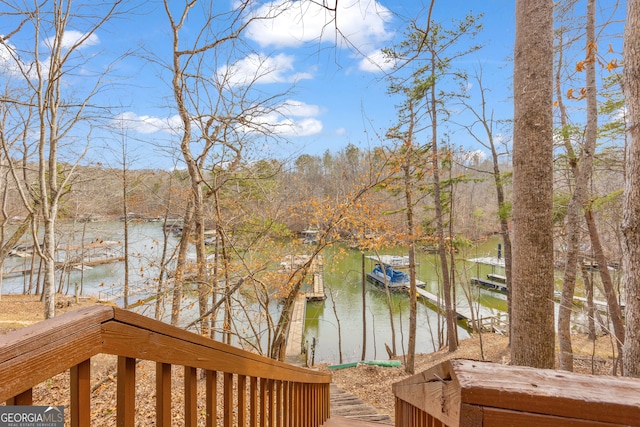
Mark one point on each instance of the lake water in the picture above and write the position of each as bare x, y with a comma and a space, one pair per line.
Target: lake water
342, 279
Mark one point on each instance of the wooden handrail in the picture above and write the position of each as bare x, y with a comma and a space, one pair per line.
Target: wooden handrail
471, 393
32, 355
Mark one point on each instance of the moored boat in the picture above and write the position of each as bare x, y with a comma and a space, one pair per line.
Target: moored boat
386, 273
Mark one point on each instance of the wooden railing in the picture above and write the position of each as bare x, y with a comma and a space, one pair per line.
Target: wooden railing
267, 392
471, 393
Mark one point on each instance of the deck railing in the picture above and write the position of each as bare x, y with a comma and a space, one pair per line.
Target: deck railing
471, 393
267, 392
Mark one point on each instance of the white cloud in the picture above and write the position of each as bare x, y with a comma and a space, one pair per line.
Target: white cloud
146, 124
290, 23
476, 156
291, 119
375, 62
72, 37
10, 62
299, 109
258, 68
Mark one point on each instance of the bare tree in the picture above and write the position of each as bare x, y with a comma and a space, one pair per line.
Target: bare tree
484, 118
46, 68
579, 196
580, 169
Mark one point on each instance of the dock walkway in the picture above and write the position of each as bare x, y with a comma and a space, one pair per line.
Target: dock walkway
295, 335
296, 330
483, 316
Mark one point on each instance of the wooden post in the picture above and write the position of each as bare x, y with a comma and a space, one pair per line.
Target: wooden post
23, 399
81, 394
126, 392
190, 397
212, 398
163, 394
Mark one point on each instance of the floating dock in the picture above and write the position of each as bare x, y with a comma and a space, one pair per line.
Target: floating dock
316, 292
484, 318
295, 343
490, 285
488, 260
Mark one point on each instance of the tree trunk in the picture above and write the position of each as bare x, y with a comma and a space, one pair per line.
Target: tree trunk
442, 250
125, 212
178, 277
413, 298
579, 197
607, 283
533, 341
631, 205
364, 311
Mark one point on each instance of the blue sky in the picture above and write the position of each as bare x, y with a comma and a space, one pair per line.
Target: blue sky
339, 88
336, 91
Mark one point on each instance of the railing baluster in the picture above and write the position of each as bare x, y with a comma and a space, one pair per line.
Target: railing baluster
327, 401
212, 398
25, 399
242, 400
315, 407
279, 404
286, 404
163, 394
263, 402
297, 389
270, 411
228, 399
190, 397
80, 378
126, 392
309, 405
253, 401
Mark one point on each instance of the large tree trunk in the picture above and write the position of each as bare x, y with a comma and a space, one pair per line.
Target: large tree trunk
533, 341
631, 206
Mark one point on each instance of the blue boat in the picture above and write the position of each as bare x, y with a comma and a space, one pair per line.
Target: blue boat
386, 273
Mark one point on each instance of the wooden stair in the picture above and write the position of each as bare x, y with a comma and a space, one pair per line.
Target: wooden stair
348, 410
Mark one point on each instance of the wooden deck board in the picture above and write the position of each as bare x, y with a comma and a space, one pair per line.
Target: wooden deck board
296, 327
349, 410
350, 422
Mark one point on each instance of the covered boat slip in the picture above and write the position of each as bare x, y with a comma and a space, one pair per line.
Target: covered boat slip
386, 272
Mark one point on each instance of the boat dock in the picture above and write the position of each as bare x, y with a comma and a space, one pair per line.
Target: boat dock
492, 261
295, 335
315, 292
317, 286
483, 317
489, 284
